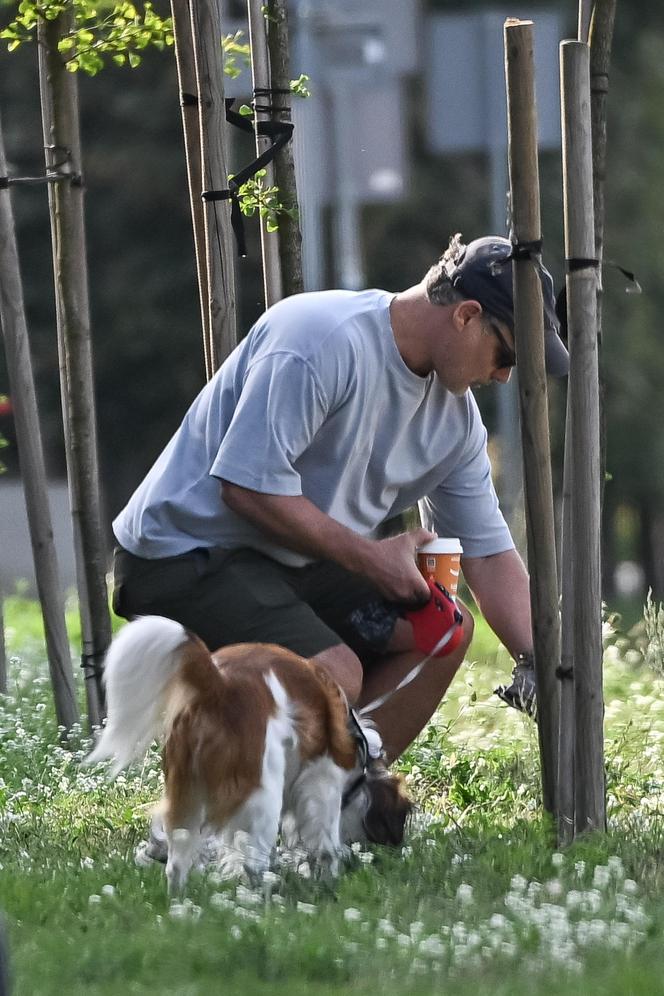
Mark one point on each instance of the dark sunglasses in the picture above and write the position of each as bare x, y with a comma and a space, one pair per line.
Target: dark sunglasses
506, 356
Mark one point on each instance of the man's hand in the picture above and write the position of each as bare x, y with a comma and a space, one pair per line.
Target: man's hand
300, 526
393, 569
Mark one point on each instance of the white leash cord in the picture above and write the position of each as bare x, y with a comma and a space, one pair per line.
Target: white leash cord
412, 674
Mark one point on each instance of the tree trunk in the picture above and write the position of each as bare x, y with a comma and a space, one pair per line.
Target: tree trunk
263, 102
59, 96
584, 549
529, 336
206, 30
290, 236
33, 473
184, 57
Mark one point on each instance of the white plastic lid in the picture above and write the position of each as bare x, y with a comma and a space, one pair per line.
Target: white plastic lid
444, 544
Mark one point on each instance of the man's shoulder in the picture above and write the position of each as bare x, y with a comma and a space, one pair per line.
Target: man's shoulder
330, 306
309, 324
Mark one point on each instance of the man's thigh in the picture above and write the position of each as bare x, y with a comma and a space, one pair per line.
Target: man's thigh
225, 597
351, 606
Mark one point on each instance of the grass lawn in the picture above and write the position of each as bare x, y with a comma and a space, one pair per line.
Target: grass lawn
478, 901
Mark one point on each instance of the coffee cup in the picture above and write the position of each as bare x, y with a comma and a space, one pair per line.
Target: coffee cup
440, 561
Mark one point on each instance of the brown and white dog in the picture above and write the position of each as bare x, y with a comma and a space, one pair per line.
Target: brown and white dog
251, 733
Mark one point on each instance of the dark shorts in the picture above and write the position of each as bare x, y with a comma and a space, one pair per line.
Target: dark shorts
241, 596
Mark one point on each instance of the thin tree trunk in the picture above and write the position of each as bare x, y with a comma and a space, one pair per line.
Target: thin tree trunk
263, 102
583, 23
601, 37
31, 456
191, 122
566, 738
529, 334
590, 802
59, 94
206, 29
290, 236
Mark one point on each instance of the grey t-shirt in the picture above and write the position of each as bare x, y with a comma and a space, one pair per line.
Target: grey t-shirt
317, 401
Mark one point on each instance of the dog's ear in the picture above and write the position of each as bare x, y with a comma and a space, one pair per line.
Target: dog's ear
389, 809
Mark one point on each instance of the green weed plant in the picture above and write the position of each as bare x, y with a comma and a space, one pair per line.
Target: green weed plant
477, 901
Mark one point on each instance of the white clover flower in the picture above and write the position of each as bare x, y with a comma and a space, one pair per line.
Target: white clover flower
416, 929
108, 890
630, 886
352, 915
386, 927
554, 888
307, 908
464, 894
235, 932
244, 914
557, 859
579, 868
247, 897
94, 900
382, 943
404, 940
221, 901
366, 857
518, 884
601, 877
615, 866
177, 911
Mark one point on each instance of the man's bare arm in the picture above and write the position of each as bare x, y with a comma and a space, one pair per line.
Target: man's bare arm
296, 523
501, 588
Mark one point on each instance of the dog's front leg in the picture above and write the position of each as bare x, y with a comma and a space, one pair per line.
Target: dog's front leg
317, 806
183, 846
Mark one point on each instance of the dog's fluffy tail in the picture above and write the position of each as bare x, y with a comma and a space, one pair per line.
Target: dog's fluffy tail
141, 663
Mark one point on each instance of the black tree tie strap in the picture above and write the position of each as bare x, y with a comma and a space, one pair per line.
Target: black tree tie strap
55, 174
574, 263
280, 132
527, 250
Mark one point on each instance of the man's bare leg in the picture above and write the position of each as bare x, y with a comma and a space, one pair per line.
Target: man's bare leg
408, 711
405, 714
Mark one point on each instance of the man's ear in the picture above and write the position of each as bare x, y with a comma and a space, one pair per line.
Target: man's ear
464, 312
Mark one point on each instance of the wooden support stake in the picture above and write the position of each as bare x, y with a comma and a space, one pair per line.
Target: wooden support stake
260, 72
31, 455
206, 30
590, 797
184, 57
60, 119
529, 336
289, 234
567, 722
583, 22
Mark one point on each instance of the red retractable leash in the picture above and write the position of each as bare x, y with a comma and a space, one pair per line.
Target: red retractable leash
437, 630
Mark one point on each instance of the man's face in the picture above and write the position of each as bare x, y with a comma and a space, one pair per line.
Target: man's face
482, 353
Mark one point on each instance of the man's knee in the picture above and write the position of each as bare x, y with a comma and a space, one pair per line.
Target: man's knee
345, 667
403, 637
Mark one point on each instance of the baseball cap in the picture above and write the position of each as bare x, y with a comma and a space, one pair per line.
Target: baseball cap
482, 271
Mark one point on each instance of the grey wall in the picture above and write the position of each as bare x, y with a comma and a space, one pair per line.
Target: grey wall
15, 548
